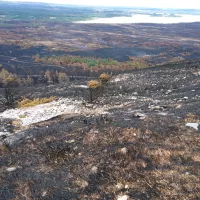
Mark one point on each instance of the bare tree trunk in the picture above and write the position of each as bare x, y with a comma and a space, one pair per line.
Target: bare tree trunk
10, 97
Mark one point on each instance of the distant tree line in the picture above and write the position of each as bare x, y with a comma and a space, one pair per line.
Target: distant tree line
92, 64
11, 83
8, 79
58, 77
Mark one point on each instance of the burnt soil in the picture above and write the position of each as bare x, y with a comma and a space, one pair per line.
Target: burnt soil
102, 157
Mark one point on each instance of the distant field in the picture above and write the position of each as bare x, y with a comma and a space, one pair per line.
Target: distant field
153, 43
48, 12
65, 13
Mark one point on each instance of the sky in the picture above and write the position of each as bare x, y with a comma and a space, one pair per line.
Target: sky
186, 4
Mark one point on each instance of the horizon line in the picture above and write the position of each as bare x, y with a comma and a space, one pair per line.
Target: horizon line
89, 5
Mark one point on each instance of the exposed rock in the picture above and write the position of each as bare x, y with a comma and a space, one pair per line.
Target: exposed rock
11, 169
183, 99
133, 98
40, 113
168, 92
94, 170
139, 115
89, 105
162, 113
178, 106
70, 141
124, 150
124, 197
196, 126
4, 134
152, 107
163, 107
196, 73
44, 193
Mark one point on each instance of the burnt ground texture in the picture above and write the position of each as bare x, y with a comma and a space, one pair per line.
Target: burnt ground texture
155, 43
140, 148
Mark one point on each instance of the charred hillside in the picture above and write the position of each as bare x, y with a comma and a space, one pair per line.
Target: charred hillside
131, 142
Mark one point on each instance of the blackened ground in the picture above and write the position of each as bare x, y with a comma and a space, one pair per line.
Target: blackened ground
103, 157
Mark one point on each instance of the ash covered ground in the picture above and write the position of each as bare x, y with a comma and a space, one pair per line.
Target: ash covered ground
131, 142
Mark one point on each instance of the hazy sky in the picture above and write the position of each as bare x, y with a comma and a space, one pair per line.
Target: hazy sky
132, 3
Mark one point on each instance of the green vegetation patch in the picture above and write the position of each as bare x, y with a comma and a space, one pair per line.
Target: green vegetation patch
92, 63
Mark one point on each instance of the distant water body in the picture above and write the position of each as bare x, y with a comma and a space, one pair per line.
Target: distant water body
139, 18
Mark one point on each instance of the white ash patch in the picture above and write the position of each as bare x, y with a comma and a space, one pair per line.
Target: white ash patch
119, 78
79, 86
5, 133
42, 112
64, 106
